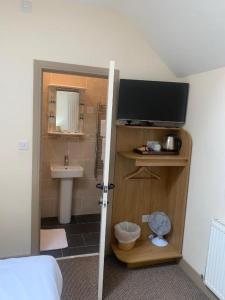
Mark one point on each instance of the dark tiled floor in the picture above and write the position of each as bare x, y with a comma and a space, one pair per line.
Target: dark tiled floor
82, 235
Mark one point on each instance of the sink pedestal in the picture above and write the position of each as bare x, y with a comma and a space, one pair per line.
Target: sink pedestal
66, 175
65, 200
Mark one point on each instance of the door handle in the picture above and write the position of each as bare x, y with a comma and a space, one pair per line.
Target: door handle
101, 186
111, 186
100, 203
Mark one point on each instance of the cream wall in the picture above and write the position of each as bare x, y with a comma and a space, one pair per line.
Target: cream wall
61, 31
206, 200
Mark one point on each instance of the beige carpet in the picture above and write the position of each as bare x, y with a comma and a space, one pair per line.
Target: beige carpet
167, 282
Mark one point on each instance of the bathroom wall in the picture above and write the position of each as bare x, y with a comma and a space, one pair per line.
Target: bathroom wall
81, 149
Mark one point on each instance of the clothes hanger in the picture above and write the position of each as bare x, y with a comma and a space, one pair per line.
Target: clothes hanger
131, 176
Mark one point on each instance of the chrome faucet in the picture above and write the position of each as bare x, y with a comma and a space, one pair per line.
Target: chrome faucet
66, 160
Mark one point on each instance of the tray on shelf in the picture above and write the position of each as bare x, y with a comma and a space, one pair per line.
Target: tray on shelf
144, 151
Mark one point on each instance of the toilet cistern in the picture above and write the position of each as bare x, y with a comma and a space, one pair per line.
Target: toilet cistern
66, 174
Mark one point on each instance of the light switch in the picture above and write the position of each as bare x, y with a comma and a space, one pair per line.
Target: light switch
23, 145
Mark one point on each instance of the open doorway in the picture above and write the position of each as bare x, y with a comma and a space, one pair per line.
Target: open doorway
94, 110
72, 135
71, 82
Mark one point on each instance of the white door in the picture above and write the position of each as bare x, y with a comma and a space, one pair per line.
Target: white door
105, 186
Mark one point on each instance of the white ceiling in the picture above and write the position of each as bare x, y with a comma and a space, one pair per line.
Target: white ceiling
189, 35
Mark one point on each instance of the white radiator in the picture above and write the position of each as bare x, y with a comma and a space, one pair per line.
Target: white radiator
215, 267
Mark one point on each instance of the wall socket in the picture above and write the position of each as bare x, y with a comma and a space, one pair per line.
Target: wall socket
145, 218
23, 145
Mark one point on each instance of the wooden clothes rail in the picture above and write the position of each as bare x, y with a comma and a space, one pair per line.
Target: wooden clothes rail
138, 171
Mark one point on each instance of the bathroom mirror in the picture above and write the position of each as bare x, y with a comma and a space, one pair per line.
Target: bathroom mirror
65, 112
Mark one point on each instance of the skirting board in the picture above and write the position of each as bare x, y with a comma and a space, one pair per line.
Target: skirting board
194, 276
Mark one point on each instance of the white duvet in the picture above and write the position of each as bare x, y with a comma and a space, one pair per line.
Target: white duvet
30, 278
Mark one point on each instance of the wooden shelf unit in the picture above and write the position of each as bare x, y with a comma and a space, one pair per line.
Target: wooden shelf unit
147, 127
67, 87
134, 198
155, 160
144, 252
59, 133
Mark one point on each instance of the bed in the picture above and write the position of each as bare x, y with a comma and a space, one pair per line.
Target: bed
30, 278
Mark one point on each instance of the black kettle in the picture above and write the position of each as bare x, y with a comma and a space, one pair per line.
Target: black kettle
172, 143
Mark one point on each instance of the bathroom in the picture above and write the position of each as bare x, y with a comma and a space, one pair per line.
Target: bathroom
82, 146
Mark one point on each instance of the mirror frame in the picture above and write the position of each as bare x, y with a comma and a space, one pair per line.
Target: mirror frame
52, 89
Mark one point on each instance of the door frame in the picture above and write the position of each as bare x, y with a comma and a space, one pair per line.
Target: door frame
41, 66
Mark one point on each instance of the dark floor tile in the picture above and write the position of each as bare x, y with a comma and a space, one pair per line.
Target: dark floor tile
80, 250
82, 228
49, 221
75, 240
74, 220
55, 253
93, 218
53, 221
92, 238
64, 226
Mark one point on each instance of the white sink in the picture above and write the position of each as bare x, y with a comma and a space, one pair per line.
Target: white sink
66, 175
58, 171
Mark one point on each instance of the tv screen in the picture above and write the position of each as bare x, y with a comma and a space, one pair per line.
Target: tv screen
152, 101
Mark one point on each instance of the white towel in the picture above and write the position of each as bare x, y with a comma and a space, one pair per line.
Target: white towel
103, 128
103, 149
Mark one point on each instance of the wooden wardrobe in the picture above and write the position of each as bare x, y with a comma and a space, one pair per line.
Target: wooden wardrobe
134, 198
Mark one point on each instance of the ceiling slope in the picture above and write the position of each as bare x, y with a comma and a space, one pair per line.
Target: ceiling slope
189, 35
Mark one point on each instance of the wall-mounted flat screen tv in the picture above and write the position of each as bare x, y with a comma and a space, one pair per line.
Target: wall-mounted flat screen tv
153, 101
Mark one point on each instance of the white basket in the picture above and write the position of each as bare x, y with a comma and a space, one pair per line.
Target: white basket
127, 233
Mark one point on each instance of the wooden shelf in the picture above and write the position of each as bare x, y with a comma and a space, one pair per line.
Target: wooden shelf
148, 127
66, 133
68, 87
145, 253
155, 160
